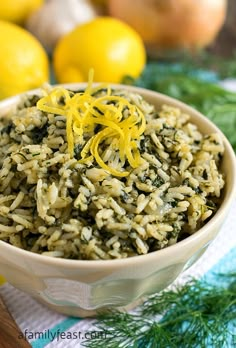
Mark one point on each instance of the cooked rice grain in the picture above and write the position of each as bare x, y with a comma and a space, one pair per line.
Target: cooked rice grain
53, 205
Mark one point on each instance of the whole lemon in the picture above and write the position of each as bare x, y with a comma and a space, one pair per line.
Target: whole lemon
112, 48
23, 62
18, 11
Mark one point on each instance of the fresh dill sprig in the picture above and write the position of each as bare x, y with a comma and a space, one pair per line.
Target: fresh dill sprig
224, 66
197, 314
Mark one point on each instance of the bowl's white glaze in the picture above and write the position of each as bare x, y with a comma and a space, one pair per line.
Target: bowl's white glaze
80, 288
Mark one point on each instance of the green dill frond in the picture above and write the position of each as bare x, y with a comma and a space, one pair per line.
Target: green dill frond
196, 315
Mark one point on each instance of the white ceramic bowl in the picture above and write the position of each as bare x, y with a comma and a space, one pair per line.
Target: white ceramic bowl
80, 288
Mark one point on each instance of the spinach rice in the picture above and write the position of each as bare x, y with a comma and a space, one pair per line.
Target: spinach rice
54, 204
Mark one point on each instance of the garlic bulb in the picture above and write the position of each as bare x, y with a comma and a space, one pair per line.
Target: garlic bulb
57, 17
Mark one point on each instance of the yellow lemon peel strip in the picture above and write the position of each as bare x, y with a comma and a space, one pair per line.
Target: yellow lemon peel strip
117, 117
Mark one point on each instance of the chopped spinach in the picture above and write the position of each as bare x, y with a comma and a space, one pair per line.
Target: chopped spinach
204, 174
173, 203
124, 197
158, 181
197, 189
77, 151
32, 101
97, 128
62, 101
38, 133
211, 205
142, 145
7, 129
99, 91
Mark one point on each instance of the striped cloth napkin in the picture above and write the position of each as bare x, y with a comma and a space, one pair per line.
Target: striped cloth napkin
44, 328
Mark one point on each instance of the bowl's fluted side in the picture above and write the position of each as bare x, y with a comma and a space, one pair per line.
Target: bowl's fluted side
80, 288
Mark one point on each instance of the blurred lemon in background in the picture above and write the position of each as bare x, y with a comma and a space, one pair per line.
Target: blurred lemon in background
2, 280
112, 48
17, 11
23, 61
